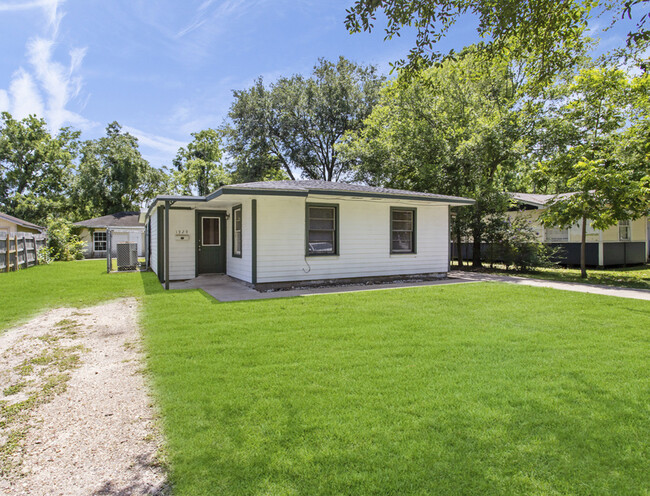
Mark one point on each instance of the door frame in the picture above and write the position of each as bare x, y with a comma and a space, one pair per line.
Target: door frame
224, 236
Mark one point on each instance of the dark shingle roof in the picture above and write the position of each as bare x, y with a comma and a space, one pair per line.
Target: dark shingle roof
119, 219
20, 222
313, 186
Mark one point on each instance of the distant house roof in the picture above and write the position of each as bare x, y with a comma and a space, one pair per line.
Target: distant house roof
21, 222
537, 200
119, 219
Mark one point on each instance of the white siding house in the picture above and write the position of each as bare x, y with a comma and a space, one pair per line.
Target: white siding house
124, 226
287, 232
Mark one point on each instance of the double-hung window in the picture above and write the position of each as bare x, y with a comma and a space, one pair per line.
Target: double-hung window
99, 241
402, 230
624, 230
322, 229
236, 231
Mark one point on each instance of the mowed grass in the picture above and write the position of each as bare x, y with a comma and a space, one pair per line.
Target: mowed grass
458, 389
65, 284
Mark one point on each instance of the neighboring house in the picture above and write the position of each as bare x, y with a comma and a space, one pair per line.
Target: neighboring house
10, 224
124, 226
623, 244
278, 233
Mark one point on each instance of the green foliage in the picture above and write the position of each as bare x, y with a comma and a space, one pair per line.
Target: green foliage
295, 124
35, 168
456, 130
199, 170
63, 244
599, 129
113, 176
521, 247
547, 36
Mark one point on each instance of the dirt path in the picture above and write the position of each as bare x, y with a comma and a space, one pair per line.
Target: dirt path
75, 412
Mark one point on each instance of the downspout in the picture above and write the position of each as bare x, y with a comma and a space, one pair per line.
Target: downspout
166, 244
254, 241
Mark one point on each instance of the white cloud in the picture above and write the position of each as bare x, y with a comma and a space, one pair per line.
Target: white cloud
166, 145
49, 87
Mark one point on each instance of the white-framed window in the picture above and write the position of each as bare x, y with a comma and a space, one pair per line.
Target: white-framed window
322, 229
624, 230
554, 235
402, 230
99, 241
211, 231
236, 232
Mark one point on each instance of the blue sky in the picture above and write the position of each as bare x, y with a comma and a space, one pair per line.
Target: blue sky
167, 68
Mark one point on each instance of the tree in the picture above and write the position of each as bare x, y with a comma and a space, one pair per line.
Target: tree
600, 114
113, 176
547, 34
35, 168
199, 170
294, 125
455, 130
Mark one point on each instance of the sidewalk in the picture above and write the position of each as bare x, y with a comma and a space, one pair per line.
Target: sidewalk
637, 294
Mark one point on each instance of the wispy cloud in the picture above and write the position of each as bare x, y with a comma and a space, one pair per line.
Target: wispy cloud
49, 86
162, 144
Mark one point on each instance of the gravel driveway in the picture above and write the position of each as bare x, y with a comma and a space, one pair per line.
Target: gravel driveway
76, 416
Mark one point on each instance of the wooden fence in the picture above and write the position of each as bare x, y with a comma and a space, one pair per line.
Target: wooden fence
20, 250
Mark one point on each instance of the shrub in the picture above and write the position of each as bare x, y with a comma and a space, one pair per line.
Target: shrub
62, 243
521, 247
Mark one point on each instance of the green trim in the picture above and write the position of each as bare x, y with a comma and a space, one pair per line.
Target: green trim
167, 205
329, 192
241, 233
254, 241
160, 243
414, 239
337, 251
257, 192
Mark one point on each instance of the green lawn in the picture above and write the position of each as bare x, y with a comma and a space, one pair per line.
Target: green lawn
458, 389
75, 284
629, 277
463, 389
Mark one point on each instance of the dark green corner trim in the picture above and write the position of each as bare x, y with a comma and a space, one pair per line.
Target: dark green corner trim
160, 244
415, 230
254, 241
232, 221
167, 205
337, 251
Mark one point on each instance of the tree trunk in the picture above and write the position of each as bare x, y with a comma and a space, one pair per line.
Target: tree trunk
459, 249
583, 249
476, 255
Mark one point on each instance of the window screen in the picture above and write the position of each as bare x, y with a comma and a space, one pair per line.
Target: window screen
321, 230
211, 232
402, 231
624, 230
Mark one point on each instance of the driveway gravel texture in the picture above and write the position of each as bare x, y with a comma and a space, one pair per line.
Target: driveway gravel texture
76, 414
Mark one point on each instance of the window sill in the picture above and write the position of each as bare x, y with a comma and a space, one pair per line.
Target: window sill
410, 254
320, 255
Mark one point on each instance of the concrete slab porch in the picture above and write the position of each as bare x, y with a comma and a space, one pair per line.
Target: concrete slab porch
226, 289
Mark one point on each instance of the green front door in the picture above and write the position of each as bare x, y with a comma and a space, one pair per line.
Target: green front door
210, 242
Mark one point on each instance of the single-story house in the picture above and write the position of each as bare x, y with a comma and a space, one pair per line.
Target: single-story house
623, 244
280, 233
10, 224
124, 226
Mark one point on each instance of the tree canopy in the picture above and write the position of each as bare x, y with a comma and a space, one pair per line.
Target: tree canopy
292, 126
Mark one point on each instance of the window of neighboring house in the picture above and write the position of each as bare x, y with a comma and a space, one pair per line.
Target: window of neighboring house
402, 227
322, 229
236, 231
99, 241
624, 230
554, 235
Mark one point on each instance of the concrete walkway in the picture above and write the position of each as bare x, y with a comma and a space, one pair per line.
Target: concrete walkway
637, 294
224, 288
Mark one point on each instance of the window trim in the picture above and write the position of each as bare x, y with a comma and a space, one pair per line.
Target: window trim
238, 208
414, 239
628, 227
335, 206
218, 234
105, 241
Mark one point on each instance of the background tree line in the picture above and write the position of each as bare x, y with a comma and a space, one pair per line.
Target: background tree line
525, 111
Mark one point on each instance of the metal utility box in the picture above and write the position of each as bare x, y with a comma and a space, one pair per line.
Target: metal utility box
127, 256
